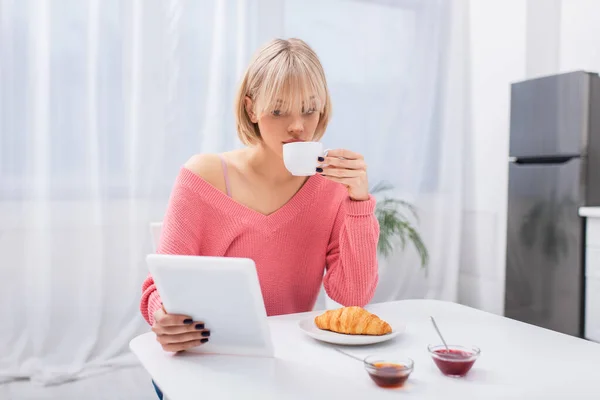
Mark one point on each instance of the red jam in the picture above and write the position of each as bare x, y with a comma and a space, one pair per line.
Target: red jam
389, 375
454, 362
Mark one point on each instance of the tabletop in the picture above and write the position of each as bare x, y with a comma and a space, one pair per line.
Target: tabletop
518, 361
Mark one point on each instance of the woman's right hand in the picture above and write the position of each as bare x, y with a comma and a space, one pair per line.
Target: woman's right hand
178, 332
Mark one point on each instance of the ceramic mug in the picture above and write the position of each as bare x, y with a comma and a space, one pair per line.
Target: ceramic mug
301, 158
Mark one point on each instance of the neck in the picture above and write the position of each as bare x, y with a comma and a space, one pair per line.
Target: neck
268, 165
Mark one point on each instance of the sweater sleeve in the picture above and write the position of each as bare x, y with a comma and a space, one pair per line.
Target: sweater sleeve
178, 236
352, 272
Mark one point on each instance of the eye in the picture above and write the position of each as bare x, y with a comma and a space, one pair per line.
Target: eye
276, 113
310, 111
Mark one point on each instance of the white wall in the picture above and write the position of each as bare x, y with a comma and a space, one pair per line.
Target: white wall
497, 47
543, 33
579, 38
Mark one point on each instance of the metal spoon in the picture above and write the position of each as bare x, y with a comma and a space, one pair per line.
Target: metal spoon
351, 356
439, 333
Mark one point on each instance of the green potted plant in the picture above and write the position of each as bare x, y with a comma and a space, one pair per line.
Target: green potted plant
395, 225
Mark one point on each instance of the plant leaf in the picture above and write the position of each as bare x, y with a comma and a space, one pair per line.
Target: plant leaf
394, 224
382, 186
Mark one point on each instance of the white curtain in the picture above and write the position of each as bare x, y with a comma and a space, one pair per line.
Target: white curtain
101, 101
399, 80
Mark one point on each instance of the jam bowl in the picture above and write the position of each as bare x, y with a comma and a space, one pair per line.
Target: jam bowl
456, 361
388, 372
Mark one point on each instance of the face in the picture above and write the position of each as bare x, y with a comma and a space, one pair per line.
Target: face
278, 128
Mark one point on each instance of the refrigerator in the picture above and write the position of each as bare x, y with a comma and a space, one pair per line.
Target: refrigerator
554, 168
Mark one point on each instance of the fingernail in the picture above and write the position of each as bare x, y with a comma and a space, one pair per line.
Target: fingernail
319, 169
203, 340
206, 333
321, 159
199, 326
187, 321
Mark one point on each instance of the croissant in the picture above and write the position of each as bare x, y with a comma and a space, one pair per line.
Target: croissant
352, 321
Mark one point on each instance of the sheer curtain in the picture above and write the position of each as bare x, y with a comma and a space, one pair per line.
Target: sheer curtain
398, 75
102, 101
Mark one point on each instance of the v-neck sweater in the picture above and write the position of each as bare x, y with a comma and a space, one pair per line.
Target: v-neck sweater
319, 236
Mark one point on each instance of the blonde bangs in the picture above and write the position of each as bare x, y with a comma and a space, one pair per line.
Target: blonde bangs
284, 75
289, 85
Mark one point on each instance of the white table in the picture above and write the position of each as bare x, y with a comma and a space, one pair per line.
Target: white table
518, 361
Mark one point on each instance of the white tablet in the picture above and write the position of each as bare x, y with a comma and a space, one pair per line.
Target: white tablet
224, 293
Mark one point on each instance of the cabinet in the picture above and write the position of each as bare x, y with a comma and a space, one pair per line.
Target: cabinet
592, 273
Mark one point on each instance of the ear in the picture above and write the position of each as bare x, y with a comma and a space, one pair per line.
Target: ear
250, 109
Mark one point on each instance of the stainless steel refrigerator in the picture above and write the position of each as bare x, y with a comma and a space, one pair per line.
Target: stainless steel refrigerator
554, 168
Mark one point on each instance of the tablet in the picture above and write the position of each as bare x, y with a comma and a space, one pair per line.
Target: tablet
224, 293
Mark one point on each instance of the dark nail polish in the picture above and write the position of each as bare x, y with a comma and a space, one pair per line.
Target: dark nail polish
188, 321
199, 326
206, 333
319, 169
321, 159
203, 340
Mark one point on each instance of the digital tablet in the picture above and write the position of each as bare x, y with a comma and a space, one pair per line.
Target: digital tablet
224, 293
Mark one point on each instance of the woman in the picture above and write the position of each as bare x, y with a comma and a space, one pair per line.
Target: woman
245, 203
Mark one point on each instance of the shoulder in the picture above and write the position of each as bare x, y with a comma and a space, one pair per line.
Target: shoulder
209, 168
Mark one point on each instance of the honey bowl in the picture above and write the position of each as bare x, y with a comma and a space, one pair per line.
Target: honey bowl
388, 372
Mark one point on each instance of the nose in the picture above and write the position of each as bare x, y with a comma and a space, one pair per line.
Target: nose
296, 126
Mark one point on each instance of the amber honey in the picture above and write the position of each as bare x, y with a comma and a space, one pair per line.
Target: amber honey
389, 375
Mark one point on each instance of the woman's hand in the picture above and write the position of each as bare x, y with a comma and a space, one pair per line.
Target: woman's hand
347, 168
178, 332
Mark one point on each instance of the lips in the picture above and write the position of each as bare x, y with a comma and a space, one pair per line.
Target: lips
293, 141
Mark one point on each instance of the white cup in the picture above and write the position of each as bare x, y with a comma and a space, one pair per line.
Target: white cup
301, 158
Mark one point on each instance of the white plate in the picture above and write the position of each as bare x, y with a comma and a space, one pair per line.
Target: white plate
308, 326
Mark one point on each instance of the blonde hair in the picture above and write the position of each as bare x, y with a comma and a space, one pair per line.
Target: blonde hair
285, 75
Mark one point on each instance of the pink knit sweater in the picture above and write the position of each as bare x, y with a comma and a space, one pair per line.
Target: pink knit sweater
320, 229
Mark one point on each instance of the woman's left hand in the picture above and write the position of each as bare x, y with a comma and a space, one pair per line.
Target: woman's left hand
349, 169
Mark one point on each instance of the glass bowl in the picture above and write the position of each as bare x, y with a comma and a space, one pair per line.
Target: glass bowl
388, 372
457, 362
